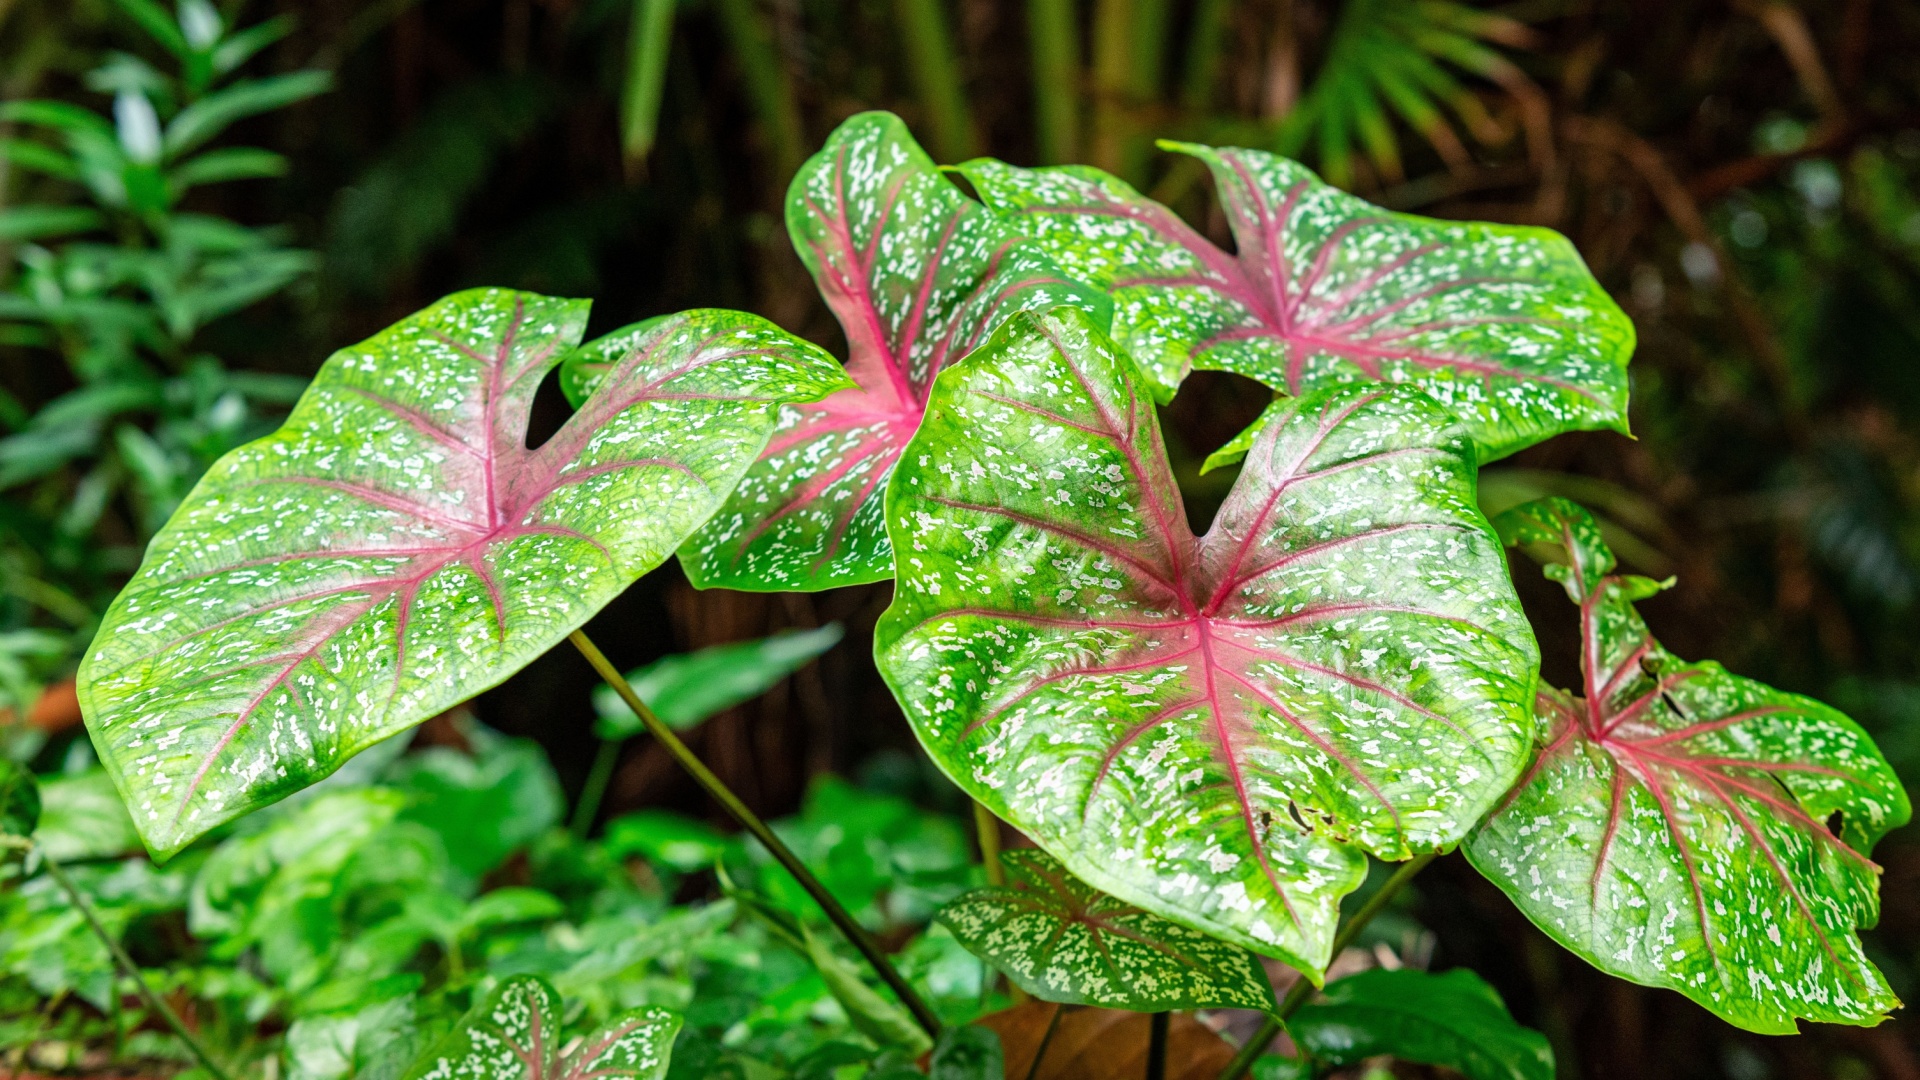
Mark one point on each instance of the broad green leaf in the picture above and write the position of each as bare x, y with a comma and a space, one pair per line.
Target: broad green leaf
82, 817
395, 548
487, 804
968, 1052
1689, 828
1060, 939
1453, 1019
1503, 325
516, 1034
19, 805
1216, 729
686, 688
917, 274
662, 836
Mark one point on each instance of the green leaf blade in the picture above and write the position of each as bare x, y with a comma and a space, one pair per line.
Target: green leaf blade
1062, 940
1218, 728
1452, 1019
1503, 325
917, 274
395, 547
1674, 829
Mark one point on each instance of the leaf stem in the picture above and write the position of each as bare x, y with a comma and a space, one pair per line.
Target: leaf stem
1046, 1039
1157, 1046
127, 967
1297, 995
855, 933
986, 830
594, 791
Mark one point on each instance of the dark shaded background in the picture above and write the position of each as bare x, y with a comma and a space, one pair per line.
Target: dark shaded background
1744, 177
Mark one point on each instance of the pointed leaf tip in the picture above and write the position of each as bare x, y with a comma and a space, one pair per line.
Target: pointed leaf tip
396, 547
1218, 728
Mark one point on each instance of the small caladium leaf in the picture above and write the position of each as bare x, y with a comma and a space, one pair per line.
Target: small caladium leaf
1061, 939
1688, 828
515, 1034
1216, 729
395, 547
1452, 1019
1501, 324
917, 274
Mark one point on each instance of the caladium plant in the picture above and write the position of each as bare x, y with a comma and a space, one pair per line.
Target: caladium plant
514, 1034
396, 547
1503, 325
917, 274
1687, 827
1220, 728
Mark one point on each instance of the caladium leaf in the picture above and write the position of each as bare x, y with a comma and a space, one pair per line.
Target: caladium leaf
1215, 729
917, 274
1501, 324
1061, 939
1453, 1019
515, 1034
395, 547
1689, 828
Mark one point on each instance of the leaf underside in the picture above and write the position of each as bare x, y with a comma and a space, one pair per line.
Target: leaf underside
1215, 729
1452, 1019
917, 274
1678, 828
1060, 939
516, 1034
1502, 325
396, 548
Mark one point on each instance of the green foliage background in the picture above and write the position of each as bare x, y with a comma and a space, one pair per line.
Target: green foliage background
1744, 178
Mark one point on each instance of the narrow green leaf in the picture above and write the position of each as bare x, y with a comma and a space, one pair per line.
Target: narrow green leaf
1060, 939
648, 43
40, 222
1053, 34
934, 68
41, 159
159, 25
1689, 828
516, 1034
917, 274
1218, 728
1503, 325
395, 547
686, 688
229, 163
877, 1017
214, 113
1452, 1019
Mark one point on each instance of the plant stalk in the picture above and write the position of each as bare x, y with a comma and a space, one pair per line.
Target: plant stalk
855, 933
594, 791
125, 964
986, 829
768, 88
1046, 1039
935, 71
1157, 1046
1297, 995
650, 35
1054, 40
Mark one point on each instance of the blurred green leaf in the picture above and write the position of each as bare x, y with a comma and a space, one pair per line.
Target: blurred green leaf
1452, 1019
212, 114
666, 838
485, 805
82, 817
687, 688
40, 222
19, 804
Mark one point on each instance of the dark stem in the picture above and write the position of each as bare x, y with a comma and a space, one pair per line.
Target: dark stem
1297, 994
595, 788
126, 966
1046, 1039
854, 932
1157, 1046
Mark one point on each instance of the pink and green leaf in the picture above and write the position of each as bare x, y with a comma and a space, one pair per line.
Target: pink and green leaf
516, 1033
1503, 325
395, 547
917, 274
1216, 729
1689, 828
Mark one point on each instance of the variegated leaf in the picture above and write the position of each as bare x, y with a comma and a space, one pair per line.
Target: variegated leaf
1689, 828
1061, 939
515, 1034
1216, 729
917, 274
395, 547
1503, 325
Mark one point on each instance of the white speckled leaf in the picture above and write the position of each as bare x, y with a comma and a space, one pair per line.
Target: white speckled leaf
515, 1034
1215, 729
395, 548
917, 274
1501, 324
1675, 829
1061, 939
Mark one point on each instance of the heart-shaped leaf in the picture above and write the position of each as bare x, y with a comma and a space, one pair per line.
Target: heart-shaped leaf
1501, 324
1060, 939
1688, 828
515, 1034
1453, 1019
917, 274
396, 548
1215, 729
